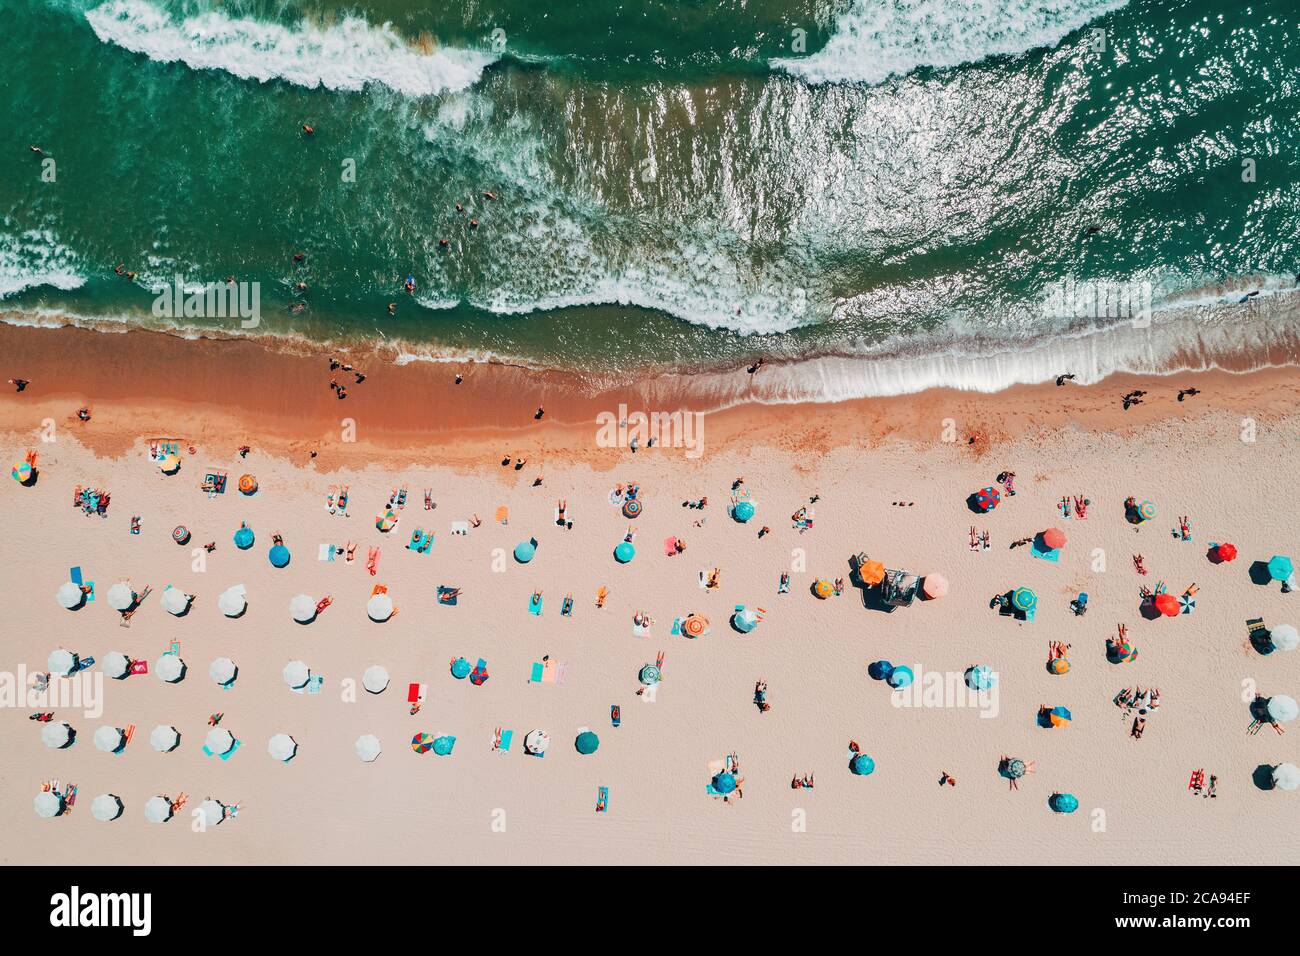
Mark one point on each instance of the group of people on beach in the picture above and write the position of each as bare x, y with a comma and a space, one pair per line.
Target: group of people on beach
341, 390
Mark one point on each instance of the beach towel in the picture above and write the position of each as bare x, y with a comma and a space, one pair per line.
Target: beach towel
314, 683
225, 756
460, 528
535, 604
326, 553
1045, 554
447, 596
670, 546
503, 515
535, 676
415, 693
602, 799
506, 737
677, 626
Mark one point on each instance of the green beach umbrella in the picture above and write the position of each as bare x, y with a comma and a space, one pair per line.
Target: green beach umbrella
1024, 599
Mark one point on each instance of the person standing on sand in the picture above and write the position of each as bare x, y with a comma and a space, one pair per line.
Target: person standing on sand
1062, 379
20, 384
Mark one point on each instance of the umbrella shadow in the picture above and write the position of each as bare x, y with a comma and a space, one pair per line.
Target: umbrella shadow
1262, 641
1262, 777
972, 504
1260, 574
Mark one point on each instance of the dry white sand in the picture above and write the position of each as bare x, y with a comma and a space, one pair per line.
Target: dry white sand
475, 806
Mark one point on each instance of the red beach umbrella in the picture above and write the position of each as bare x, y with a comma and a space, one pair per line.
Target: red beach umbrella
986, 499
1054, 538
1167, 605
1226, 551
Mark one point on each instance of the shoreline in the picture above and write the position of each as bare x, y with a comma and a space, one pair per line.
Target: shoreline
144, 383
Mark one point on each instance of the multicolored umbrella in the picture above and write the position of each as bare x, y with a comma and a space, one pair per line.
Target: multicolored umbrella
422, 743
695, 625
1186, 604
247, 484
1059, 716
1024, 599
1146, 510
986, 499
22, 472
1059, 665
631, 508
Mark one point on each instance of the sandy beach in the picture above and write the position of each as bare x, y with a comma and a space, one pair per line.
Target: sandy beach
415, 429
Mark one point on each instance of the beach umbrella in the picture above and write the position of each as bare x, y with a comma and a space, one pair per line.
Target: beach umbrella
296, 674
387, 521
1225, 551
536, 741
22, 472
1063, 802
367, 747
174, 601
1054, 538
861, 765
57, 734
934, 586
106, 807
70, 596
649, 674
232, 602
1015, 768
244, 538
745, 620
631, 508
278, 556
724, 782
379, 608
61, 663
1186, 604
1282, 708
823, 588
1280, 567
214, 811
460, 668
442, 745
116, 665
110, 739
625, 552
1167, 605
170, 464
170, 668
181, 534
587, 742
164, 738
1284, 637
302, 608
223, 671
49, 804
1059, 665
1125, 651
282, 747
375, 679
525, 550
1146, 510
120, 596
1024, 599
743, 511
422, 743
247, 484
1059, 716
981, 677
157, 809
219, 741
986, 499
1286, 776
695, 625
871, 572
901, 677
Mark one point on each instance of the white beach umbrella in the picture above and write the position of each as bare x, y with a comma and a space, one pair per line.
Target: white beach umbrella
109, 739
537, 741
56, 734
1284, 637
70, 596
106, 807
174, 601
120, 596
61, 662
303, 609
214, 811
157, 810
222, 670
368, 747
232, 601
164, 738
375, 679
219, 741
296, 674
379, 608
1282, 708
170, 668
116, 665
48, 804
282, 747
1286, 776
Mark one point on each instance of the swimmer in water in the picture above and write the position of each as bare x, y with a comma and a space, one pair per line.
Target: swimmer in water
488, 195
443, 243
308, 130
473, 223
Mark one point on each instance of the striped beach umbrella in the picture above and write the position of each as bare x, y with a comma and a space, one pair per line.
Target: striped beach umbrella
422, 743
631, 508
649, 674
1186, 604
986, 499
1146, 510
1060, 716
1024, 599
695, 625
22, 473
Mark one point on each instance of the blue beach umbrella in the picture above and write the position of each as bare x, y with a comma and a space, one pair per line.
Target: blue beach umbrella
1063, 802
278, 555
724, 782
244, 538
624, 552
980, 677
743, 511
587, 742
900, 677
1024, 599
460, 668
442, 745
879, 670
861, 765
1280, 567
525, 550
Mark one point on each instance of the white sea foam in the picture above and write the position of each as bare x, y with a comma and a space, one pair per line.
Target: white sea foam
347, 55
34, 258
877, 39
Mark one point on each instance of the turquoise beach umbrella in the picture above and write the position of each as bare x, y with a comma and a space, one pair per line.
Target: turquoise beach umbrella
244, 538
587, 742
724, 782
1024, 599
279, 556
1063, 802
460, 668
900, 676
1280, 567
442, 745
861, 765
743, 511
524, 551
624, 552
980, 677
